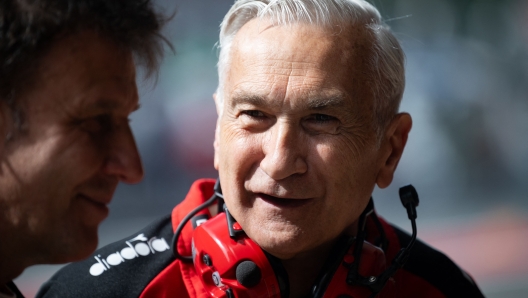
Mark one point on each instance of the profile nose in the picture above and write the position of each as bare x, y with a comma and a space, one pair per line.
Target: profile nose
123, 158
283, 152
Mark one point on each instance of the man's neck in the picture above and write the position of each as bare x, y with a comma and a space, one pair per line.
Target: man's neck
5, 291
302, 273
13, 258
9, 269
305, 268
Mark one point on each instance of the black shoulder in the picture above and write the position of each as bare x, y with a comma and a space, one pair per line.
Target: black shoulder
121, 269
437, 269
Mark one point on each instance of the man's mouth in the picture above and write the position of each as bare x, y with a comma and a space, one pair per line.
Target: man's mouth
283, 202
99, 203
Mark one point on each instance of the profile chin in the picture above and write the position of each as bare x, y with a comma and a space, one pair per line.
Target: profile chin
85, 246
76, 252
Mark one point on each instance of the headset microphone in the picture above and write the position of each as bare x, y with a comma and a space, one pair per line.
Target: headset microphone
231, 265
410, 200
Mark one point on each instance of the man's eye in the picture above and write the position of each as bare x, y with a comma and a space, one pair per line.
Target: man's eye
321, 123
253, 114
322, 118
97, 124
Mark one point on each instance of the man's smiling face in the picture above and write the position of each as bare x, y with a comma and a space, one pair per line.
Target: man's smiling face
296, 147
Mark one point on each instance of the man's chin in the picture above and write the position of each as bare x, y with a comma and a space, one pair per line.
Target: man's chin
283, 249
77, 248
294, 245
280, 254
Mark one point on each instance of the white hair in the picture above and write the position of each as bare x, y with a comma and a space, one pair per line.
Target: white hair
387, 75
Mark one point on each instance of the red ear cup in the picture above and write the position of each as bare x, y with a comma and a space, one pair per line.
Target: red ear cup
231, 268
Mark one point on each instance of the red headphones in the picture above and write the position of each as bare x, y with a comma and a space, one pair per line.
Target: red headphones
231, 265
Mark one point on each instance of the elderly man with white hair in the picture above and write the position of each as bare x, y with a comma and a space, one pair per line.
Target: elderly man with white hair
308, 125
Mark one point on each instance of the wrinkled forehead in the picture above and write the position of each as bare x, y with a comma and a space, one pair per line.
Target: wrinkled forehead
344, 40
330, 60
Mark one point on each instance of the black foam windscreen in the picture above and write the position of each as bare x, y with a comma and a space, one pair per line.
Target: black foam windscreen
248, 274
409, 199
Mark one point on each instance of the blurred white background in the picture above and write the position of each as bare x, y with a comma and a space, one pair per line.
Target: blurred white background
467, 155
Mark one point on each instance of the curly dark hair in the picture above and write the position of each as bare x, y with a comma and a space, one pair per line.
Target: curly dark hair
28, 28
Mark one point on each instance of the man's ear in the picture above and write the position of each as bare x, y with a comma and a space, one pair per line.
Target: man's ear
392, 148
217, 132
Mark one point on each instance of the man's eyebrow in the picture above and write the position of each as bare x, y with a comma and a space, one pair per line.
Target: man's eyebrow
313, 101
108, 104
104, 104
321, 102
256, 100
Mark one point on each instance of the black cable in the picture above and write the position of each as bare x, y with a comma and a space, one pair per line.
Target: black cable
410, 200
383, 242
174, 242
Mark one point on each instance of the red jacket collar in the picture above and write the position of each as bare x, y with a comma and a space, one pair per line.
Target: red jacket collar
201, 190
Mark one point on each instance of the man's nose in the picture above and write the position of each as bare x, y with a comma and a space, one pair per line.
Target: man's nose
284, 151
123, 158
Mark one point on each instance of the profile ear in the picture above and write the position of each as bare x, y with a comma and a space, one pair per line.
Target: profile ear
217, 132
392, 148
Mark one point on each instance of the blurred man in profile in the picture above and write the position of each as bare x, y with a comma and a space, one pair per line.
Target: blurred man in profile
67, 88
308, 124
